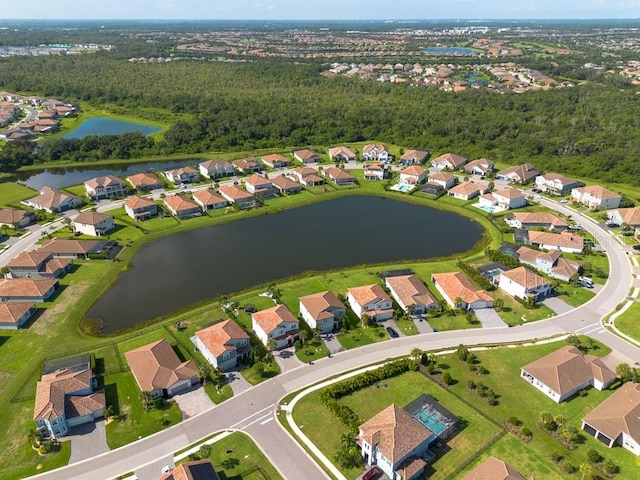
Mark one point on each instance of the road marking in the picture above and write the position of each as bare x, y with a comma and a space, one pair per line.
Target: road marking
252, 415
268, 415
266, 421
591, 325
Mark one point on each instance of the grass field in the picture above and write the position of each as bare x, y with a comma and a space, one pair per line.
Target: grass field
629, 321
30, 462
11, 194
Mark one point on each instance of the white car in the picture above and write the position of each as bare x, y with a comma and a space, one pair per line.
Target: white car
166, 469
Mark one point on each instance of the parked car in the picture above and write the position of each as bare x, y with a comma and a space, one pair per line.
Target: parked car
372, 474
392, 333
585, 282
636, 247
611, 223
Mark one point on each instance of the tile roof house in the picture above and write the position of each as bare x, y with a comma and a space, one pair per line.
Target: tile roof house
481, 166
413, 175
259, 185
565, 372
374, 171
197, 470
66, 398
144, 182
616, 421
596, 197
459, 292
277, 324
552, 262
528, 220
339, 176
563, 241
506, 199
38, 264
518, 173
223, 344
322, 310
53, 201
106, 186
140, 208
15, 217
63, 247
395, 442
493, 469
376, 152
238, 196
216, 168
370, 300
248, 165
523, 283
411, 294
444, 179
306, 155
27, 289
182, 206
182, 175
556, 183
92, 223
414, 157
158, 370
208, 199
342, 154
276, 160
628, 216
467, 190
307, 176
285, 185
14, 315
449, 161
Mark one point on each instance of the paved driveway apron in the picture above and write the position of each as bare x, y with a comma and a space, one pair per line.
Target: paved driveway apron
237, 382
287, 359
332, 343
489, 318
557, 305
193, 401
422, 324
88, 441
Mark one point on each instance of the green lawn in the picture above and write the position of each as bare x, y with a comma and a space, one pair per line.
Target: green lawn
448, 321
357, 337
629, 321
30, 462
313, 350
514, 313
574, 295
11, 194
218, 395
254, 376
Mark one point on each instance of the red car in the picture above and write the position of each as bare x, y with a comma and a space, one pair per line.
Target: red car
372, 474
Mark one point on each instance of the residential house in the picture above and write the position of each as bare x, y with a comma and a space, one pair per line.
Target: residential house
506, 199
564, 241
13, 217
374, 171
285, 185
14, 315
238, 196
616, 421
339, 176
372, 301
208, 199
520, 174
70, 248
92, 223
27, 289
306, 155
107, 186
565, 372
197, 470
158, 370
432, 188
481, 166
66, 398
413, 175
467, 190
53, 201
216, 168
223, 344
493, 469
322, 311
524, 283
248, 165
596, 197
140, 208
144, 182
449, 161
259, 185
529, 220
625, 216
556, 184
376, 152
414, 157
342, 154
445, 180
307, 176
459, 292
276, 160
411, 294
38, 265
552, 263
182, 206
182, 175
276, 324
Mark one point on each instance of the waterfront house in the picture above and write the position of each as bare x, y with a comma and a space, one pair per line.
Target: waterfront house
506, 199
259, 185
238, 196
376, 152
467, 190
182, 206
413, 175
300, 174
14, 315
444, 179
248, 165
596, 197
285, 185
13, 217
306, 156
276, 160
449, 161
140, 208
342, 154
432, 188
144, 182
223, 344
38, 264
276, 324
481, 166
556, 184
107, 186
372, 301
216, 168
529, 220
374, 171
520, 174
493, 469
414, 157
53, 201
92, 223
70, 248
564, 241
523, 283
182, 175
208, 199
339, 176
322, 310
27, 289
410, 293
459, 292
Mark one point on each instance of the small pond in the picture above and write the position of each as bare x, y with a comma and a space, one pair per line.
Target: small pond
450, 51
109, 126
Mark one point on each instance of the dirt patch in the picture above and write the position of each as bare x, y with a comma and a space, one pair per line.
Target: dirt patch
51, 316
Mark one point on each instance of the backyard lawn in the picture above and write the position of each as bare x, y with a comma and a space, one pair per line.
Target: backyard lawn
30, 462
629, 321
11, 194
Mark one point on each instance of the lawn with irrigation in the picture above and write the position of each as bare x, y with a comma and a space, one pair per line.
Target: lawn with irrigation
629, 321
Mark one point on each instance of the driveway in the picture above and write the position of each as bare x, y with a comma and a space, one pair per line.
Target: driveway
287, 359
332, 343
193, 401
237, 382
422, 324
489, 318
88, 441
557, 305
392, 323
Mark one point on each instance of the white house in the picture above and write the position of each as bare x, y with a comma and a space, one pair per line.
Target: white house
91, 223
374, 171
259, 185
628, 216
564, 241
322, 311
615, 421
413, 175
410, 293
306, 155
223, 344
596, 197
506, 199
14, 315
556, 183
552, 262
565, 372
459, 292
342, 154
276, 160
481, 166
370, 300
237, 195
277, 324
528, 220
181, 175
414, 157
518, 173
216, 168
523, 283
376, 152
449, 161
53, 201
140, 208
445, 180
106, 186
467, 190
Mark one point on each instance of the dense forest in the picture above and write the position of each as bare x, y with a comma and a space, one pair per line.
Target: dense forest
589, 130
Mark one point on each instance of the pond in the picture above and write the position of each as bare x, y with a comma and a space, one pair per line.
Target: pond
188, 267
109, 126
450, 51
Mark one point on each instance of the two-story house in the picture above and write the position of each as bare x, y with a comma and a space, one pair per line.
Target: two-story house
523, 283
216, 168
370, 300
181, 175
276, 324
92, 223
376, 152
106, 186
322, 311
140, 208
223, 344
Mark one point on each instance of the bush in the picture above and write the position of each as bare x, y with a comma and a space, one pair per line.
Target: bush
526, 432
515, 421
475, 276
556, 457
569, 468
610, 467
483, 371
446, 378
594, 456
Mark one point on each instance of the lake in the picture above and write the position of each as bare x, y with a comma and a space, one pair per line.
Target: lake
109, 126
173, 272
451, 51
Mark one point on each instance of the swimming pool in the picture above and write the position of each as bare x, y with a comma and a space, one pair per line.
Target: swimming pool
489, 208
402, 187
432, 419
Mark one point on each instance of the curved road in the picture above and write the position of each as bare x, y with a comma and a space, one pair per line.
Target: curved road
253, 410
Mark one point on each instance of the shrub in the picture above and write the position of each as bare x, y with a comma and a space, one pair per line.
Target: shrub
515, 421
526, 432
555, 457
594, 456
610, 467
446, 378
483, 371
570, 468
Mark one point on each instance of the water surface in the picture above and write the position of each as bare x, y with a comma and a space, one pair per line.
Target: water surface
109, 126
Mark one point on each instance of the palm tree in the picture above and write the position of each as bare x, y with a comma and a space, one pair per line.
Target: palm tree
347, 440
416, 354
442, 306
585, 469
498, 304
145, 398
108, 412
205, 372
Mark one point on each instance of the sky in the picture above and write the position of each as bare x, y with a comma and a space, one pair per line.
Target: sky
322, 9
